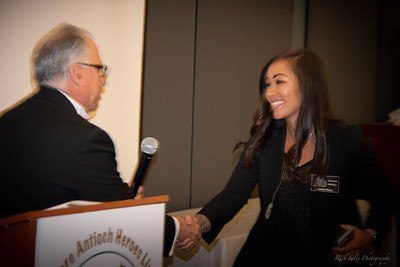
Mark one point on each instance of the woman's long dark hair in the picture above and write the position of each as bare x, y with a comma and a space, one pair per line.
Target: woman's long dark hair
313, 115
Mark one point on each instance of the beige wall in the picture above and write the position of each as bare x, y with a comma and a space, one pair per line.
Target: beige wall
118, 28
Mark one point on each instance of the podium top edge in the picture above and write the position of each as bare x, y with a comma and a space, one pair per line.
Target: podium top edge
34, 215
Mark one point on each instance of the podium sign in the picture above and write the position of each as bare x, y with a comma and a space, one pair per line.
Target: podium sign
124, 236
108, 234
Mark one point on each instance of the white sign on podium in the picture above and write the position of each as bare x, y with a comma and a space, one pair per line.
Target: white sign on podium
128, 236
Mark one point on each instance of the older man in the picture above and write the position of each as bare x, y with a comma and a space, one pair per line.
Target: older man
50, 153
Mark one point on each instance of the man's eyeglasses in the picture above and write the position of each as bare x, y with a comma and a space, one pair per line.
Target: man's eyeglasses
101, 67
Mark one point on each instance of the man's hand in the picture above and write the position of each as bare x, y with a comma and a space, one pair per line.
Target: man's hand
189, 233
140, 192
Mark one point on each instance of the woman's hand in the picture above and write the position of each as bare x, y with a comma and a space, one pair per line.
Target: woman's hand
360, 241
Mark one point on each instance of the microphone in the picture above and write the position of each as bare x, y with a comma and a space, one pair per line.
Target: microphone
148, 148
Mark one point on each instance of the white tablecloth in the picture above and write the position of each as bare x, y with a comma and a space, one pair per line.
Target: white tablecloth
223, 251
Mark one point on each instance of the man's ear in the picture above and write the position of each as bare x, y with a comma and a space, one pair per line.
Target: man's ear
75, 73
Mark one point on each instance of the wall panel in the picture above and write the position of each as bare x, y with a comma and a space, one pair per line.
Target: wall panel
234, 40
345, 34
168, 95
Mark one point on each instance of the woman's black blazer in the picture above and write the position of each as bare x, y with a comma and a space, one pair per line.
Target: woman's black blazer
351, 158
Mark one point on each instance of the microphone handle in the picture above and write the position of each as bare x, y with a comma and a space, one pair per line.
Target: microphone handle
139, 177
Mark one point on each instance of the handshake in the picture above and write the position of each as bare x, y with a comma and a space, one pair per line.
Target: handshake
189, 233
189, 227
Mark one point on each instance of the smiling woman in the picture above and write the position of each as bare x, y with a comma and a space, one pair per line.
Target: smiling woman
294, 88
309, 169
282, 92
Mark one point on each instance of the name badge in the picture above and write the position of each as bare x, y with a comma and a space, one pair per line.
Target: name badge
325, 184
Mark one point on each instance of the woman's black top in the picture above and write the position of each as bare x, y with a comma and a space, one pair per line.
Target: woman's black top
291, 211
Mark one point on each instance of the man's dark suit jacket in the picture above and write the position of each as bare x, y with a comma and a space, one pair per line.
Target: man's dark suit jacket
51, 155
351, 158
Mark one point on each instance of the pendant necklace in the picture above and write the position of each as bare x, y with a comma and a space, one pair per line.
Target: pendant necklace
271, 205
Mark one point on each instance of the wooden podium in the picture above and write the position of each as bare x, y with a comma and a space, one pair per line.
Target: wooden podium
118, 233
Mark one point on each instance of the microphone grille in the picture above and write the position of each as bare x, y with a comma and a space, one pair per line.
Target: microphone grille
149, 145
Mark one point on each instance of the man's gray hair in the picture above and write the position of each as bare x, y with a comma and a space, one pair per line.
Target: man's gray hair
55, 51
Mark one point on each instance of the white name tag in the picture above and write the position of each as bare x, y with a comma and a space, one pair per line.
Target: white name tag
326, 184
